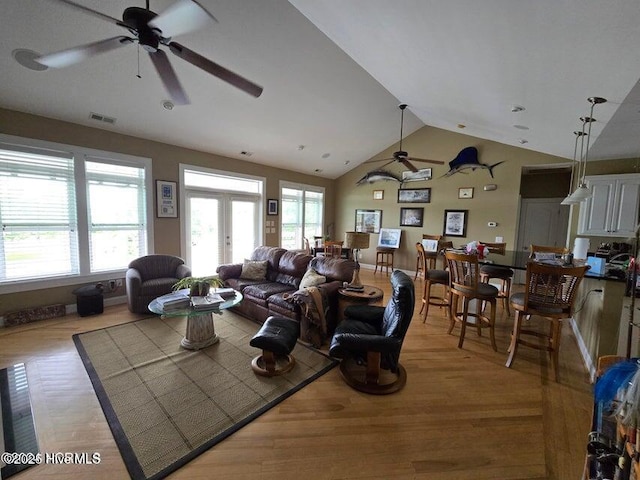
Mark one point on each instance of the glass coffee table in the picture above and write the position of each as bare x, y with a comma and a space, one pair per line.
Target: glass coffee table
200, 331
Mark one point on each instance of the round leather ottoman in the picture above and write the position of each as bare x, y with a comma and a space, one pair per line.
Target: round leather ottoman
276, 338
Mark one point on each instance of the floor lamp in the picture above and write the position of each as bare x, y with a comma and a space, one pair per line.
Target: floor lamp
356, 241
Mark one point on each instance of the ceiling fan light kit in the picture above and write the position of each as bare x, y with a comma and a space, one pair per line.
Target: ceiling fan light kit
150, 30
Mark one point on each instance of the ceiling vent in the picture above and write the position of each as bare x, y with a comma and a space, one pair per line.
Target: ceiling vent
102, 118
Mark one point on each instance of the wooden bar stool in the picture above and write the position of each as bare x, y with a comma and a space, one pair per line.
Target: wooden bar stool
384, 259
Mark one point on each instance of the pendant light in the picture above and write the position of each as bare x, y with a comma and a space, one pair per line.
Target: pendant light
582, 192
568, 200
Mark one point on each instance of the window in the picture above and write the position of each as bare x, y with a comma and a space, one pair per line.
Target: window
302, 214
69, 212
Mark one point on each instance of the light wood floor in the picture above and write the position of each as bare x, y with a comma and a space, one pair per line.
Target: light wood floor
462, 415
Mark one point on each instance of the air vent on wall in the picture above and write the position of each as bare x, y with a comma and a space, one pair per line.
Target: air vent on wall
102, 118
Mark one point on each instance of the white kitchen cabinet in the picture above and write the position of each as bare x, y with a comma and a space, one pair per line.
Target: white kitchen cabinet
612, 209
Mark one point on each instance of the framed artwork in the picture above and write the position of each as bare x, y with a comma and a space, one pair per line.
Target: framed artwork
411, 217
389, 237
455, 223
378, 194
272, 207
422, 174
368, 221
166, 199
414, 195
465, 192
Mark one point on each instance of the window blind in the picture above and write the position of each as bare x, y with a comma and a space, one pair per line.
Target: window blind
38, 215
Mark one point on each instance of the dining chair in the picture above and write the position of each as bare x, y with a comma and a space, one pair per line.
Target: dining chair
433, 277
333, 249
432, 256
502, 274
549, 293
464, 283
420, 261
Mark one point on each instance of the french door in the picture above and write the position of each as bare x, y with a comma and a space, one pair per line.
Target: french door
220, 228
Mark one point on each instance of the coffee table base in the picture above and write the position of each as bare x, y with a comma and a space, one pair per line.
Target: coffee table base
200, 332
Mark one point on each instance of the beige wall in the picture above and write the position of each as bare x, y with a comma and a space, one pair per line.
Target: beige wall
166, 159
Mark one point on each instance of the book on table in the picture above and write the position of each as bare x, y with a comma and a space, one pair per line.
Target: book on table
224, 292
174, 301
209, 302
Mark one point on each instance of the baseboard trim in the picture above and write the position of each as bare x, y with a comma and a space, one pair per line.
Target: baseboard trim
586, 358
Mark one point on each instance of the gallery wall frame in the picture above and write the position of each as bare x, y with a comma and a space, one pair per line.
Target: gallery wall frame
166, 199
455, 223
420, 175
378, 194
368, 221
411, 217
414, 195
272, 206
465, 192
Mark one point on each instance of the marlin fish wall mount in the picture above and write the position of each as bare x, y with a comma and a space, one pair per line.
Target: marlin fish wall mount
378, 176
468, 159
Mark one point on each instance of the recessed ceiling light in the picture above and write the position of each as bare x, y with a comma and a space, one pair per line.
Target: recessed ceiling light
246, 153
521, 127
318, 170
517, 108
300, 147
326, 155
167, 105
522, 141
26, 58
462, 125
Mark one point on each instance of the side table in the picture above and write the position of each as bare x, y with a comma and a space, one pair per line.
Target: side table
369, 296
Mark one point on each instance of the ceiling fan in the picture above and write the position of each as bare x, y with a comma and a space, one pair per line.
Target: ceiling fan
150, 30
401, 156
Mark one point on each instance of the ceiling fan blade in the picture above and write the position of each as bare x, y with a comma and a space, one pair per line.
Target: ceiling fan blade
182, 17
408, 164
77, 54
169, 78
215, 69
382, 166
92, 12
434, 162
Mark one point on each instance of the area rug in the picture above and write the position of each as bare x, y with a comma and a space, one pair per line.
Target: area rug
166, 405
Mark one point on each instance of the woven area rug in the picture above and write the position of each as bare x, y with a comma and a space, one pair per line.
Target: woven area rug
166, 405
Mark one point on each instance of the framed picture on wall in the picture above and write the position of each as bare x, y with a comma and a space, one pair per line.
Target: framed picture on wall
411, 217
414, 195
368, 221
455, 223
166, 199
272, 207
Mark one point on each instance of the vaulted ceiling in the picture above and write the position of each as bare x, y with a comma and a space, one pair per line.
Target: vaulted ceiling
334, 72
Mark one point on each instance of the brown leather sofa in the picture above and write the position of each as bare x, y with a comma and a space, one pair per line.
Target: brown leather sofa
285, 269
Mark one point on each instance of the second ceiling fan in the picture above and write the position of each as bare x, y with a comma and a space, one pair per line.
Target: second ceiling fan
400, 155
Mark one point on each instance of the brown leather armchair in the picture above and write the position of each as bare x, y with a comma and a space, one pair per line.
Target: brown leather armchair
151, 276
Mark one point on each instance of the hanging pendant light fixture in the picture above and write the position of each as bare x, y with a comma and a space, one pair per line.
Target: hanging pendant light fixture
568, 200
582, 192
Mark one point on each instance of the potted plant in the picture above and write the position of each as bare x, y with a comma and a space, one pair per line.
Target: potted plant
198, 286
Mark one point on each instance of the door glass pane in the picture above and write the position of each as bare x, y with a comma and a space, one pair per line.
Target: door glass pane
291, 211
313, 214
204, 236
243, 229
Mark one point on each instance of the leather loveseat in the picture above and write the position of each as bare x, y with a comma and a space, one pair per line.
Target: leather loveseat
285, 269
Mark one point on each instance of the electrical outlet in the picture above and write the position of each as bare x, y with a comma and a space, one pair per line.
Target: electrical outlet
112, 285
118, 282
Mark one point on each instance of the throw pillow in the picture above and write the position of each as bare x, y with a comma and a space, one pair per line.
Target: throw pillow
254, 270
312, 278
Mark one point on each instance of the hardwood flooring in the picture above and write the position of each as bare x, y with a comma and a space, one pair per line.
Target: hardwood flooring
462, 415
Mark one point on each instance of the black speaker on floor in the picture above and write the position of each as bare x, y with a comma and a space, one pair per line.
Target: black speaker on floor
90, 300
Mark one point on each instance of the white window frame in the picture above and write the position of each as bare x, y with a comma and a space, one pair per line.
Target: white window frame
80, 154
305, 188
184, 235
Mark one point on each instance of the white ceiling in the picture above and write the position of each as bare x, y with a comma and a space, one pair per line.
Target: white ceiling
454, 62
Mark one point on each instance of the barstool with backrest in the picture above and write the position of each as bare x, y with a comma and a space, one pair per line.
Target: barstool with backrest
547, 249
465, 284
433, 277
502, 274
432, 256
549, 293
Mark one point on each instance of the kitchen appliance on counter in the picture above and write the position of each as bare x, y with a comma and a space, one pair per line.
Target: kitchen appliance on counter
608, 250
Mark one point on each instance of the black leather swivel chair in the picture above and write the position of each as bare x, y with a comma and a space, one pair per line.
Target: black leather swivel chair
370, 338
